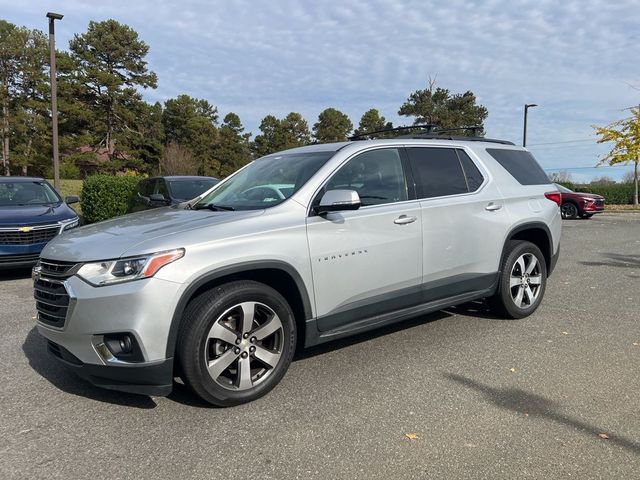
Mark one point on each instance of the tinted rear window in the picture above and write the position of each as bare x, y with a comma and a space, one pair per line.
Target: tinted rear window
521, 165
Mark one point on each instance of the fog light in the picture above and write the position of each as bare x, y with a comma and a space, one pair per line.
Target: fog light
125, 344
118, 348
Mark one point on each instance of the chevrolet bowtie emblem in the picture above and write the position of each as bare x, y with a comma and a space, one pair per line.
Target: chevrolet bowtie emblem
25, 229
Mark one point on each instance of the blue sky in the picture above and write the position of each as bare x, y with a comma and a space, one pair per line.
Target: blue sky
576, 59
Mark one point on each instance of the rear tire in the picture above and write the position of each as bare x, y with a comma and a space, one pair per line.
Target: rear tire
523, 279
236, 342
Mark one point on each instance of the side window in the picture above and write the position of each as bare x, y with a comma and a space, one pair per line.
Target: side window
521, 165
143, 188
376, 175
474, 177
437, 171
161, 188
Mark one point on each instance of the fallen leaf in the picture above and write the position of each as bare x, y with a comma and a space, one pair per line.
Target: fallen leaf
33, 318
411, 436
565, 333
636, 343
603, 435
512, 369
526, 414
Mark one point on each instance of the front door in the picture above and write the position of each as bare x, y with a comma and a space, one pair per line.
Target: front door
367, 261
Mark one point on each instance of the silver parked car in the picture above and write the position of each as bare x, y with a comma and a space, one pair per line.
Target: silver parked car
306, 245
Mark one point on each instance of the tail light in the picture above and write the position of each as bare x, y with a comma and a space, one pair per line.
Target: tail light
554, 197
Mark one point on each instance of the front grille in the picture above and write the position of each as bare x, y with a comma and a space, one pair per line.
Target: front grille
52, 298
599, 202
36, 235
6, 259
57, 269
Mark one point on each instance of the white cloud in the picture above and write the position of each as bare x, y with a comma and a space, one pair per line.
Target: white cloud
572, 58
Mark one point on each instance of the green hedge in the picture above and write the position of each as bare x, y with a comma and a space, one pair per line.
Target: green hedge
106, 196
614, 194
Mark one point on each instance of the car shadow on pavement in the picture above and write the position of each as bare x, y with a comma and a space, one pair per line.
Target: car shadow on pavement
15, 274
537, 406
616, 260
182, 394
478, 309
35, 349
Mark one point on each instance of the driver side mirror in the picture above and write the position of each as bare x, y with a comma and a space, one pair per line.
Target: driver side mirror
338, 200
158, 198
71, 199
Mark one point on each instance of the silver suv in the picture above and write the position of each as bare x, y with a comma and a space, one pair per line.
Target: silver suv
299, 247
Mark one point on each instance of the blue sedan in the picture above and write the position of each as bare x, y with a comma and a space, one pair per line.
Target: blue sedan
31, 214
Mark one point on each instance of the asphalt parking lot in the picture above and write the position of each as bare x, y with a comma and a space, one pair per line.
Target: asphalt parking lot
480, 397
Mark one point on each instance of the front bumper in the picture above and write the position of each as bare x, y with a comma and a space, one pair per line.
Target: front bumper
145, 379
142, 309
19, 261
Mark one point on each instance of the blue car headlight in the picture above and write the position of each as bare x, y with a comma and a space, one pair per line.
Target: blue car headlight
69, 224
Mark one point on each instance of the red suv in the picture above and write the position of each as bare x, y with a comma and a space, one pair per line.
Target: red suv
576, 204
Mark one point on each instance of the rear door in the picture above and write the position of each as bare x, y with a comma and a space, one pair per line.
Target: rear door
464, 222
367, 261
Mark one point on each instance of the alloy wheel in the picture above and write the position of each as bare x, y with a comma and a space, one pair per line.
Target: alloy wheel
244, 345
526, 280
568, 211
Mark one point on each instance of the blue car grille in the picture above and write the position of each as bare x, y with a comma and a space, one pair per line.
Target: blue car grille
34, 235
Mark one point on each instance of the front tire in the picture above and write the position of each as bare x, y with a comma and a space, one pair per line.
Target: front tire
236, 342
569, 211
523, 279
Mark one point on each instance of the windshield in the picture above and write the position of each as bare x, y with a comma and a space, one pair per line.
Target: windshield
27, 193
265, 182
187, 189
563, 189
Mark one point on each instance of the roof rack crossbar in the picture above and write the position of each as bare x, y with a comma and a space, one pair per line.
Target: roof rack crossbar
428, 127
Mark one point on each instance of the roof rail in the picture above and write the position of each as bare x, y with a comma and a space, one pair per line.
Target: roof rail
457, 138
363, 136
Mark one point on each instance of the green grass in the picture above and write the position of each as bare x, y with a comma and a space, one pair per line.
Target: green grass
71, 187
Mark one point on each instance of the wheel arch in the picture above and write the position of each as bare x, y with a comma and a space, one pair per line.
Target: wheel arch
538, 234
277, 274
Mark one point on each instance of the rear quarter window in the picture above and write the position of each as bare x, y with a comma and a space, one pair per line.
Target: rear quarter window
521, 165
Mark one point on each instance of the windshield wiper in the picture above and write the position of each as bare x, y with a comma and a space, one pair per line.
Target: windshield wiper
214, 208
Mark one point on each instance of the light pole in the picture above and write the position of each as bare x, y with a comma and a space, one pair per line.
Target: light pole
527, 106
54, 97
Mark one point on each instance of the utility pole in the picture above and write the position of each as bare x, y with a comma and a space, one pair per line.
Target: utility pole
527, 106
54, 97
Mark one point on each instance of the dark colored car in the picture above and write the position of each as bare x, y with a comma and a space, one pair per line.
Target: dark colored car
576, 204
31, 214
162, 191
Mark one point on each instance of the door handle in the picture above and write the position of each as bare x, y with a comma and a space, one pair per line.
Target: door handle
404, 220
492, 207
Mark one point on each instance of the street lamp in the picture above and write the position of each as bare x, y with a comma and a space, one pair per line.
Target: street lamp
527, 106
54, 97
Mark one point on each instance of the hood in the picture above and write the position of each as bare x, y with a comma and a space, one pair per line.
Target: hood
112, 238
30, 215
588, 195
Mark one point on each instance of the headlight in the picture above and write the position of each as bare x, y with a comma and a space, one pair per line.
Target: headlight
69, 224
108, 272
